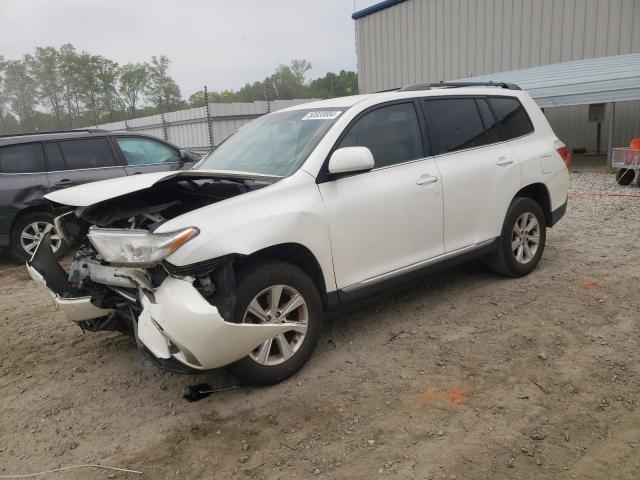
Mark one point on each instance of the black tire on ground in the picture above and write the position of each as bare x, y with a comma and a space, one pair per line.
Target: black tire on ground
624, 176
638, 181
504, 261
17, 250
256, 279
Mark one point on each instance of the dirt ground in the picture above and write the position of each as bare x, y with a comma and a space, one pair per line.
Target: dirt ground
465, 375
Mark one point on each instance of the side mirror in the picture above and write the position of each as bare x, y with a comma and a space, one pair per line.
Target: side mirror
351, 159
188, 156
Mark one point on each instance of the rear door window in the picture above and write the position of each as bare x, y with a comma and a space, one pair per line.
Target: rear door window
454, 123
22, 158
392, 133
512, 117
87, 153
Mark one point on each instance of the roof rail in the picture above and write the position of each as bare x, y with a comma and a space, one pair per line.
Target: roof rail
395, 89
429, 86
51, 132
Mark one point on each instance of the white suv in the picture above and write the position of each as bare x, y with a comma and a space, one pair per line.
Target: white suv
235, 262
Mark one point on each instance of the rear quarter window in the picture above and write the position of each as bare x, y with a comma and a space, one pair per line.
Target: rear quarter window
512, 117
23, 158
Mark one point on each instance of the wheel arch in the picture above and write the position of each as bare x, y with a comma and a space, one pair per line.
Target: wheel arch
38, 207
295, 254
539, 193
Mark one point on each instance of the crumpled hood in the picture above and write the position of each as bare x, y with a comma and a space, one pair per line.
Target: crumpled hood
96, 192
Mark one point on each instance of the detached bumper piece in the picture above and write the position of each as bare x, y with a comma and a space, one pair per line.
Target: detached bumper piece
45, 270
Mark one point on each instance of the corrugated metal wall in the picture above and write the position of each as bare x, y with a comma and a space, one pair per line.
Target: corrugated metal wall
188, 128
432, 40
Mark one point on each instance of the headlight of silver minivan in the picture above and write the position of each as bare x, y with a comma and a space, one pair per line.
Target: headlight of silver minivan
137, 247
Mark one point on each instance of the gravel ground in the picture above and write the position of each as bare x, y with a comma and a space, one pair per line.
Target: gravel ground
464, 375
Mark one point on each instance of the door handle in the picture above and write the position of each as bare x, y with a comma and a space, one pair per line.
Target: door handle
504, 161
425, 179
65, 182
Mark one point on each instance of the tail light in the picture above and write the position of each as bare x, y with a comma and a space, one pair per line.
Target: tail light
562, 150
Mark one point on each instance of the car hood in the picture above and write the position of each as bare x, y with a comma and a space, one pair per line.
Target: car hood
96, 192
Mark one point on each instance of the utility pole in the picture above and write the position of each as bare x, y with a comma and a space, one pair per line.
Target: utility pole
209, 120
267, 95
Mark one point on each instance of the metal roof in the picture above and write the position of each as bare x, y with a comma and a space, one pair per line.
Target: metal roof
594, 80
375, 8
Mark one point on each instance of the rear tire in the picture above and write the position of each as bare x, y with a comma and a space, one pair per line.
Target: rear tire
522, 240
27, 231
286, 285
625, 176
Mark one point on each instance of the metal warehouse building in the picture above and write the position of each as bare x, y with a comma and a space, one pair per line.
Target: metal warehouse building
399, 42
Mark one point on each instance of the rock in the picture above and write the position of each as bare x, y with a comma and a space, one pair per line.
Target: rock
510, 463
316, 471
538, 435
244, 458
73, 445
371, 442
542, 356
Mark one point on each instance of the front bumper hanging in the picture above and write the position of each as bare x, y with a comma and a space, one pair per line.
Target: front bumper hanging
176, 321
45, 270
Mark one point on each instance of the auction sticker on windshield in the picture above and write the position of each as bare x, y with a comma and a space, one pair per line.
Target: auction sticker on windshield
322, 115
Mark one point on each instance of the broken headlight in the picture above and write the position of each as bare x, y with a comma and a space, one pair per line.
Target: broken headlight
137, 247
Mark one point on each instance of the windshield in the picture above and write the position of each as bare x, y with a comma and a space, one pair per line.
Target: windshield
275, 144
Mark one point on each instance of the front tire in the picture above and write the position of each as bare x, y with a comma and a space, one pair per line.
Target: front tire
278, 292
522, 240
27, 232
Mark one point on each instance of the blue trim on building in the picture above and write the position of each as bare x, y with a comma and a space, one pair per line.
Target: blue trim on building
375, 8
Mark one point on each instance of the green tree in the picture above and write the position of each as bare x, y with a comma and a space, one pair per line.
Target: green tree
44, 67
20, 90
107, 80
131, 84
332, 85
71, 69
89, 84
162, 89
4, 101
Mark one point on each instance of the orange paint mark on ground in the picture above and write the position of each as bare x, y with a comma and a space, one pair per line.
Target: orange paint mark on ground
455, 396
590, 285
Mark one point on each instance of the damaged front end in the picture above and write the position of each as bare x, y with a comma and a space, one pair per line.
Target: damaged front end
119, 279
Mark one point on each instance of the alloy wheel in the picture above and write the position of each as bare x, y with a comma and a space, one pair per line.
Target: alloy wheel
525, 238
274, 305
32, 234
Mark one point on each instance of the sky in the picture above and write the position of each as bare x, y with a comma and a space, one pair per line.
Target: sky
221, 43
